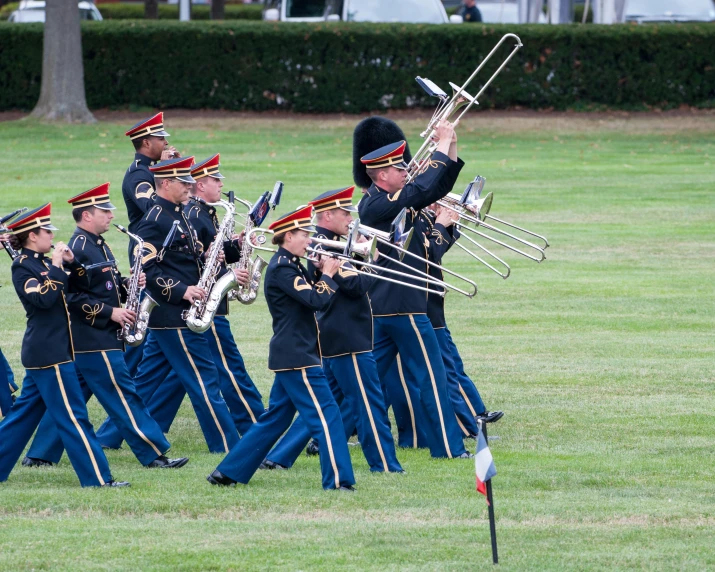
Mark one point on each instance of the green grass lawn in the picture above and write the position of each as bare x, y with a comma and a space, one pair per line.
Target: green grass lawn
602, 357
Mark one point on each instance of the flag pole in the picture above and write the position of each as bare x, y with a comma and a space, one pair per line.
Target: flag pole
490, 506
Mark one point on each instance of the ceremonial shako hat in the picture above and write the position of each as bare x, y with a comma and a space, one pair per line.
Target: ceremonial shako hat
391, 155
152, 126
338, 199
175, 169
96, 197
33, 220
207, 168
370, 134
300, 219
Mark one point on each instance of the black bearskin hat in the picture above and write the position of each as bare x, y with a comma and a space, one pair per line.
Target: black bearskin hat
369, 135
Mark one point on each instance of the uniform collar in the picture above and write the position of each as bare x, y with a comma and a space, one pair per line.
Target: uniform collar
328, 234
167, 205
287, 254
94, 238
31, 253
143, 160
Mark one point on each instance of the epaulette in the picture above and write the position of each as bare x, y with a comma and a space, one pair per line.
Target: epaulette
285, 261
194, 212
76, 238
153, 213
19, 260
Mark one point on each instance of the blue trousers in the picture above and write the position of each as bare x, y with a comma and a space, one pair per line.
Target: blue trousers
467, 388
307, 391
6, 389
153, 368
107, 378
133, 356
410, 434
414, 338
190, 357
356, 386
243, 399
54, 389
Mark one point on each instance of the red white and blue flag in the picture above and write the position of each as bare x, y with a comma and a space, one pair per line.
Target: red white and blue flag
484, 463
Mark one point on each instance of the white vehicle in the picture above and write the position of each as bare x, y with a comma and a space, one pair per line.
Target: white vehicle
643, 11
34, 11
409, 11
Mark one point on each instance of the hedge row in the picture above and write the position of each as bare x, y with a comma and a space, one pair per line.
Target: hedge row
135, 11
353, 68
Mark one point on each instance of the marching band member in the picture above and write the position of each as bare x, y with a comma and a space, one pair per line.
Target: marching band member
243, 399
294, 356
97, 319
47, 354
345, 328
401, 322
172, 263
138, 189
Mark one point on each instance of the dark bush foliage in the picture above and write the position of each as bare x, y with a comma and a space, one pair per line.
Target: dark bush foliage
336, 67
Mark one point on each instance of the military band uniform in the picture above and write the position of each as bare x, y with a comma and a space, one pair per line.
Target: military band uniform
169, 272
99, 357
50, 382
299, 382
243, 399
346, 345
400, 312
6, 388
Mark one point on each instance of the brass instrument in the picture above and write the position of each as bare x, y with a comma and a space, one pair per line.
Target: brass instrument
257, 213
474, 209
134, 334
202, 312
449, 106
12, 253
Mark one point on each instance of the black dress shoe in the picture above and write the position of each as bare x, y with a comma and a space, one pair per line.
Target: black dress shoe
267, 465
116, 484
218, 478
312, 448
466, 455
30, 462
164, 463
490, 416
347, 488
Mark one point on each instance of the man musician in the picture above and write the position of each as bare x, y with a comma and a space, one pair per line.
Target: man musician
400, 312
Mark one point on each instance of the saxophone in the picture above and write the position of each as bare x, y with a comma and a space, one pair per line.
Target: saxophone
202, 312
248, 294
134, 334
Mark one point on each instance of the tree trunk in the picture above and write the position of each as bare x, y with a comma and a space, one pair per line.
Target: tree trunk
151, 9
217, 9
62, 96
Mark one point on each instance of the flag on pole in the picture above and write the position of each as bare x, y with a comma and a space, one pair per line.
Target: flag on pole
484, 463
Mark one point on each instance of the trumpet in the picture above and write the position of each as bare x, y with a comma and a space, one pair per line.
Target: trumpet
449, 106
358, 249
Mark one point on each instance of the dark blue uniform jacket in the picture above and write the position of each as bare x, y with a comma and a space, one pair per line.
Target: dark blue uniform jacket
169, 271
41, 288
91, 306
292, 301
378, 209
441, 239
203, 218
346, 324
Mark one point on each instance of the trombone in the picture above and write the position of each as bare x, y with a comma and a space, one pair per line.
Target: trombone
449, 106
474, 209
366, 249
